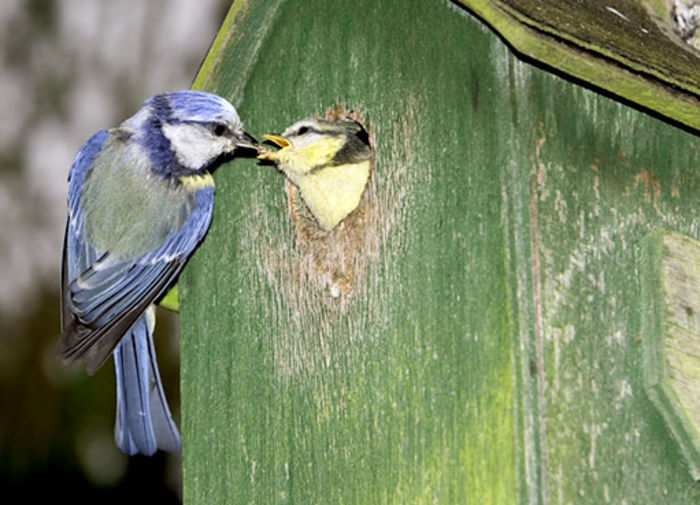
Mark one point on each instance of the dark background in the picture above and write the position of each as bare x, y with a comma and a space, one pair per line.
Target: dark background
68, 68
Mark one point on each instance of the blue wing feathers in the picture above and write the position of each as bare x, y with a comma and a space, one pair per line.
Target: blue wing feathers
82, 162
109, 289
104, 299
118, 300
93, 342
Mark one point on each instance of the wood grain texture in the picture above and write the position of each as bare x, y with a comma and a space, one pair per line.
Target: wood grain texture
489, 352
670, 273
626, 48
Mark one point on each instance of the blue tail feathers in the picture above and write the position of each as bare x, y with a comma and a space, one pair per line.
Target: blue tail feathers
143, 423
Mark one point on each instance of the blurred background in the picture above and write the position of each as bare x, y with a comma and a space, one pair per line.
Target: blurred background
69, 68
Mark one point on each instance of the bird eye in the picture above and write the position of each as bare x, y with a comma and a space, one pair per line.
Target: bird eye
303, 130
219, 129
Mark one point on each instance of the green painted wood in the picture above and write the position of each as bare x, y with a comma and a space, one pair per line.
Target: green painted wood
626, 47
670, 273
489, 351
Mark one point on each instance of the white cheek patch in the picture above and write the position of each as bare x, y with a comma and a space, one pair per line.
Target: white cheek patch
194, 145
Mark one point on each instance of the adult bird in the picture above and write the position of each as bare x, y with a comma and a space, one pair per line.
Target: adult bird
140, 200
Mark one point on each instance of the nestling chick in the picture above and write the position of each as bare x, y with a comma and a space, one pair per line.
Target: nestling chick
140, 200
329, 161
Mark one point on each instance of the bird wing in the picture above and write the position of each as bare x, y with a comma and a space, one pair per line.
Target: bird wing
105, 293
72, 260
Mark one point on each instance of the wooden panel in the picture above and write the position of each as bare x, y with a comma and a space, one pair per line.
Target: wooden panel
488, 352
670, 273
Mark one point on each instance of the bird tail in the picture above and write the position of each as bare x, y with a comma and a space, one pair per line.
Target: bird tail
144, 423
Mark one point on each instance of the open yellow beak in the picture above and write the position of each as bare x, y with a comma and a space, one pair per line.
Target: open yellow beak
280, 141
277, 139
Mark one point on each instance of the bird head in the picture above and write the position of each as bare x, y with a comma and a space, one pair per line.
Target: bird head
188, 131
310, 145
329, 161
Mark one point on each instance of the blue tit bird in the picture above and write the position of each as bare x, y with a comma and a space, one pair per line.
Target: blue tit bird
329, 161
140, 200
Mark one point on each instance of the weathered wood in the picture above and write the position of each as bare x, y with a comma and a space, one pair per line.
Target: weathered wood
626, 47
488, 351
670, 274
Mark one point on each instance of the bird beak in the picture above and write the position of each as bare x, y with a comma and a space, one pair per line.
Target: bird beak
245, 141
278, 140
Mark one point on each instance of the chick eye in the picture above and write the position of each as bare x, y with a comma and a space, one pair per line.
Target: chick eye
218, 129
303, 130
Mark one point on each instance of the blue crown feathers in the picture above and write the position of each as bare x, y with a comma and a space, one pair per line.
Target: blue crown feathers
192, 105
